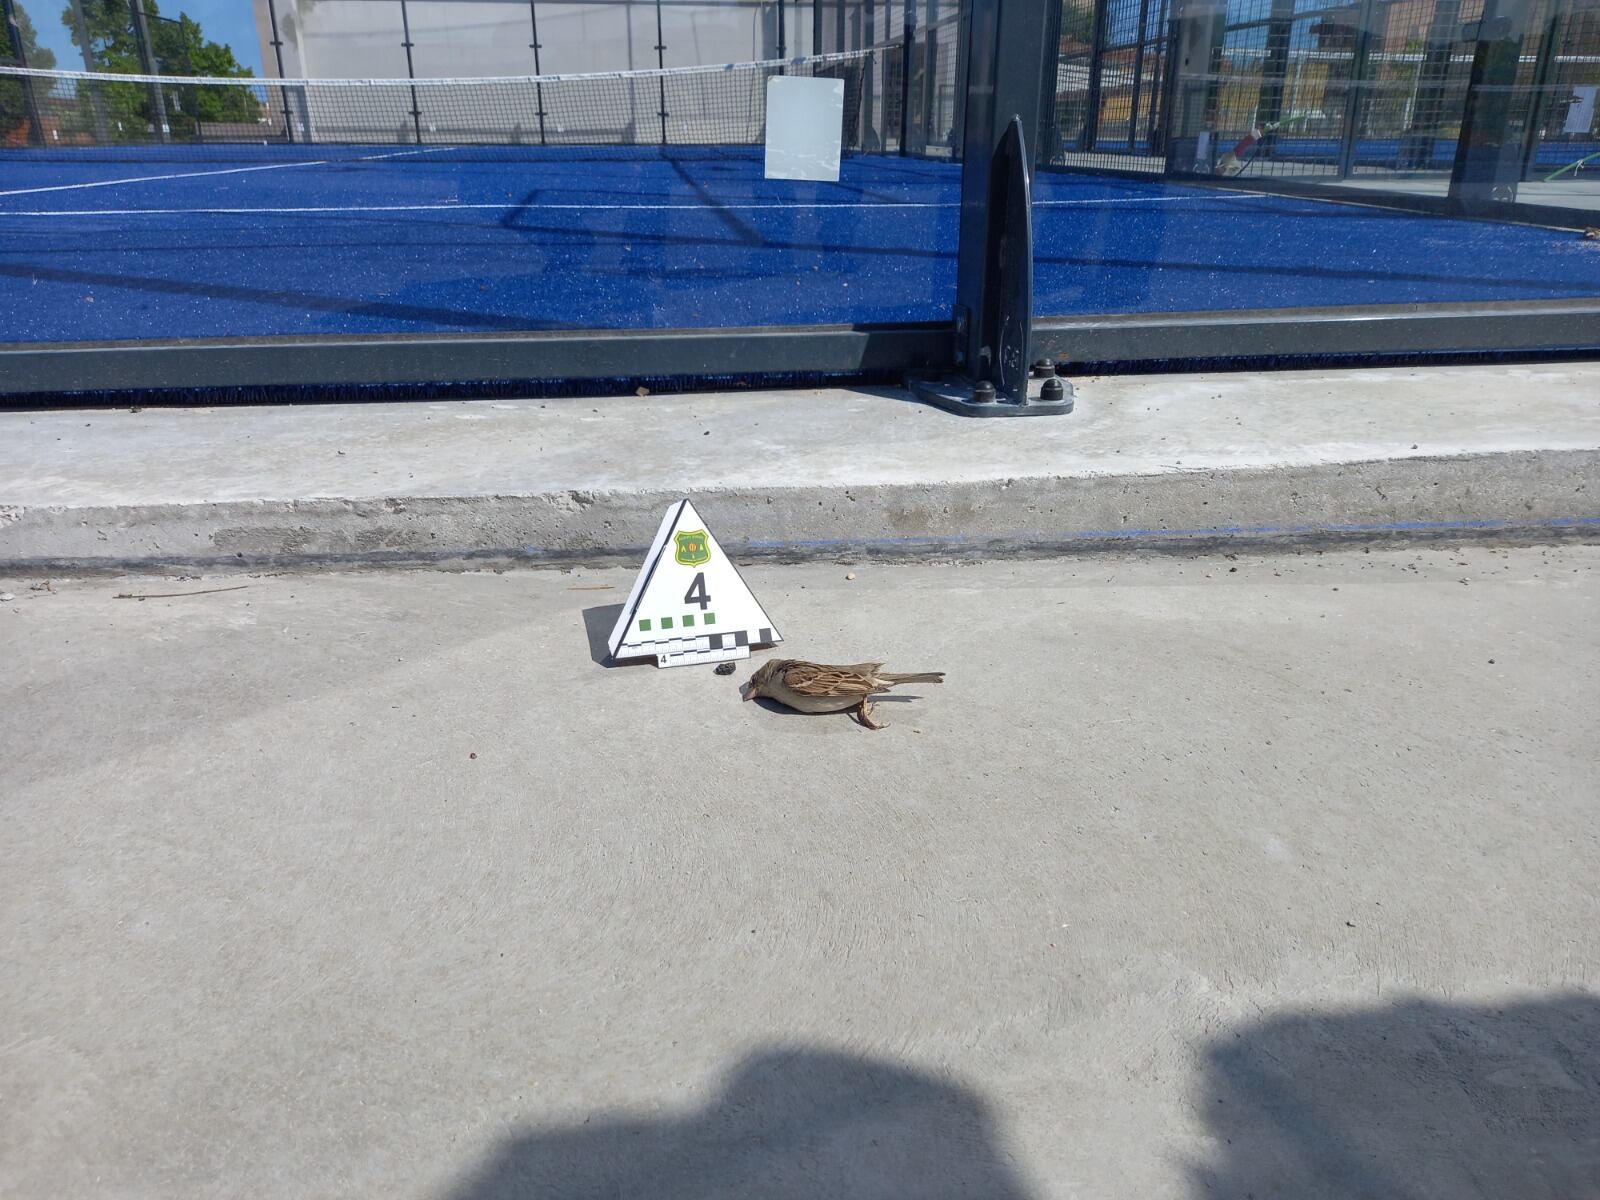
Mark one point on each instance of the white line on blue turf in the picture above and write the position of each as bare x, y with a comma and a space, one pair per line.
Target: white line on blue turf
595, 208
313, 162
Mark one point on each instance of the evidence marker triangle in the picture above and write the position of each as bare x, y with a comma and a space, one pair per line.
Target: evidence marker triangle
689, 603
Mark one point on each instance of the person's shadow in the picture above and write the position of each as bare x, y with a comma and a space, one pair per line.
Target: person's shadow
1412, 1101
789, 1125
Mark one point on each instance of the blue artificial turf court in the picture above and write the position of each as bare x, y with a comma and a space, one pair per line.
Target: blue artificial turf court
230, 241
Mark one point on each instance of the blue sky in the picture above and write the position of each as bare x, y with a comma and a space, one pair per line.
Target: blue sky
229, 21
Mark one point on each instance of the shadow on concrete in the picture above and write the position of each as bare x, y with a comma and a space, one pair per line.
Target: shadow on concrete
1415, 1101
597, 623
800, 1125
783, 710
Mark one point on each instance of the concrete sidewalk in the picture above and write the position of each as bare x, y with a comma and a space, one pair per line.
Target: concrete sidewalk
1157, 460
1198, 878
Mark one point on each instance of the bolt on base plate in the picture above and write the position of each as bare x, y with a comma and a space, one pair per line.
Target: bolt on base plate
1045, 397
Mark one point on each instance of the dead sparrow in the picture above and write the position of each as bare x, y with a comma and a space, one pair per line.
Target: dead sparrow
817, 688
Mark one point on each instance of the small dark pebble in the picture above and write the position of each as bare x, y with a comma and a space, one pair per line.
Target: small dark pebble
725, 668
473, 755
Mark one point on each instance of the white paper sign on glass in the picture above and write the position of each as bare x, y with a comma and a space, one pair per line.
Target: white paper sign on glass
805, 128
689, 604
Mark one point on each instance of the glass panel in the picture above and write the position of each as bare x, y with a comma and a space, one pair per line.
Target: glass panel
1204, 155
369, 179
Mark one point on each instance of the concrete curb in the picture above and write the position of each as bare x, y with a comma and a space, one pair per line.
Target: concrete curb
1513, 495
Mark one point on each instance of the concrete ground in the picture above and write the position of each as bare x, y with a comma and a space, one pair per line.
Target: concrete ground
1199, 877
1247, 458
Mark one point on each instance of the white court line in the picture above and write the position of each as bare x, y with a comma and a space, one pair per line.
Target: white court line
597, 208
313, 162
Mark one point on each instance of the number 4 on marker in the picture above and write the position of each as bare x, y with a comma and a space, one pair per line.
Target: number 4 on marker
697, 593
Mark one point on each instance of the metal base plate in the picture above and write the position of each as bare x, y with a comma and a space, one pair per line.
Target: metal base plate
957, 396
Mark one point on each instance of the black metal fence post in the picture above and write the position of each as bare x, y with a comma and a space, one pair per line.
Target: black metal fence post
783, 43
1097, 54
1193, 85
1138, 77
1432, 94
20, 57
1488, 162
1555, 22
1006, 62
908, 45
1355, 99
147, 59
661, 80
536, 45
1275, 74
411, 70
1049, 148
102, 132
1155, 123
277, 50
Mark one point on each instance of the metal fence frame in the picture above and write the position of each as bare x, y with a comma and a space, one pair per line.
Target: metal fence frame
1013, 81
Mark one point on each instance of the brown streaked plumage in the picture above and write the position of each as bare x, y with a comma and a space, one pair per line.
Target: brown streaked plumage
820, 688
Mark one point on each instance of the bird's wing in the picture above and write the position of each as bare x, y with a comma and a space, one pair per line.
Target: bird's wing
816, 679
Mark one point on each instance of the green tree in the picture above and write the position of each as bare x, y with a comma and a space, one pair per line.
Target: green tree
37, 56
16, 125
179, 47
1077, 22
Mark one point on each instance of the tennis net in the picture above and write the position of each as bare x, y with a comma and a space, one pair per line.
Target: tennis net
710, 106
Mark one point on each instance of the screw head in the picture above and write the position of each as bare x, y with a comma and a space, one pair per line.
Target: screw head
983, 392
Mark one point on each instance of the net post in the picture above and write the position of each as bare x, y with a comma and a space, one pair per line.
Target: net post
783, 44
411, 70
536, 46
147, 58
277, 51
